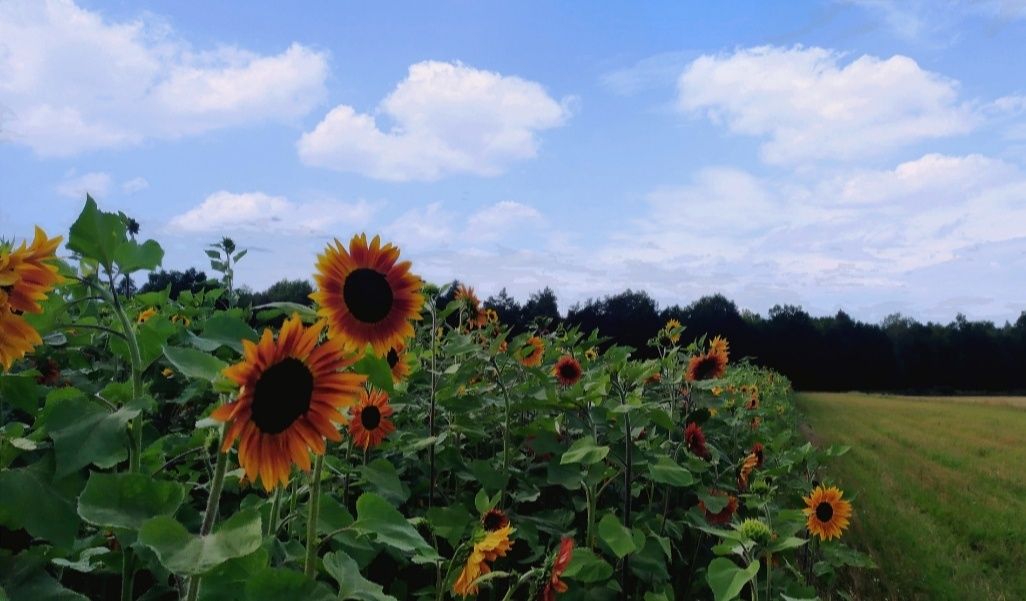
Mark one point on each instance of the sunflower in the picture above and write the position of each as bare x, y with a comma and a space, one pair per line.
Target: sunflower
707, 366
749, 464
494, 519
720, 346
290, 393
563, 556
27, 274
17, 337
365, 295
695, 439
591, 354
398, 362
185, 321
370, 422
492, 546
567, 370
753, 402
654, 378
760, 453
533, 358
492, 315
477, 315
672, 330
827, 512
722, 516
146, 315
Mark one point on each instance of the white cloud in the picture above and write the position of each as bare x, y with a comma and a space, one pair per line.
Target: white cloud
938, 20
500, 220
136, 184
96, 183
446, 118
73, 81
230, 212
809, 105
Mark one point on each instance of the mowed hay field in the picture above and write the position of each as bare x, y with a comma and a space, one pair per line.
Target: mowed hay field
939, 487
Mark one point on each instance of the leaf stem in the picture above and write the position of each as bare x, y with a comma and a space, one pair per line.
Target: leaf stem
310, 566
210, 514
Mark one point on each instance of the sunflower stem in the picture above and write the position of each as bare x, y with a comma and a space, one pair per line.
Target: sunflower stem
272, 521
431, 411
210, 514
311, 522
627, 478
127, 574
505, 430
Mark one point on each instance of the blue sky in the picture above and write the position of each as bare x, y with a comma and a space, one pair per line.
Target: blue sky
865, 155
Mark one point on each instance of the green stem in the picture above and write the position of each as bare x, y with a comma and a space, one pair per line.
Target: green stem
272, 520
311, 522
136, 358
505, 430
590, 500
431, 411
127, 574
210, 514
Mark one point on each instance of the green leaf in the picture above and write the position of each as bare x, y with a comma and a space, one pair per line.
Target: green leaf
587, 567
584, 451
376, 518
84, 563
275, 584
151, 337
288, 308
131, 256
352, 584
127, 500
24, 578
85, 433
21, 391
188, 554
449, 522
726, 579
667, 471
97, 235
377, 371
29, 501
783, 544
195, 364
489, 477
380, 474
614, 534
229, 331
570, 476
713, 503
227, 582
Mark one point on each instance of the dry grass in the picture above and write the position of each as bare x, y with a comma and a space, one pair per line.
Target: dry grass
939, 485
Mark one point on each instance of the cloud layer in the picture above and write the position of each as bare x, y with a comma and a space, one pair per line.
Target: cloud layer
226, 212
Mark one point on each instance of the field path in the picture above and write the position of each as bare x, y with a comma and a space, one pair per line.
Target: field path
939, 486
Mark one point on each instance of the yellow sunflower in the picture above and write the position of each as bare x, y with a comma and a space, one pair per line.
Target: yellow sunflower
370, 422
398, 362
365, 295
672, 330
532, 352
146, 315
494, 544
26, 276
828, 514
17, 337
591, 354
291, 390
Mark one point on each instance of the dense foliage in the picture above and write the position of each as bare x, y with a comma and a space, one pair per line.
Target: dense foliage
477, 461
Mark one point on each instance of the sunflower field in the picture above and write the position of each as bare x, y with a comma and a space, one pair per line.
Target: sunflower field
381, 444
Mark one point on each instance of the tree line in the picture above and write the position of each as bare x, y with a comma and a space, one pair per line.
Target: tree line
817, 352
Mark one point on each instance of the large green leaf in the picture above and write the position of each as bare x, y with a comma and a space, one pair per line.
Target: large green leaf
131, 256
726, 579
449, 522
29, 501
377, 371
24, 578
381, 477
376, 518
227, 582
97, 234
616, 535
666, 471
188, 554
21, 391
227, 330
151, 336
127, 500
195, 364
587, 567
585, 451
352, 584
85, 433
275, 584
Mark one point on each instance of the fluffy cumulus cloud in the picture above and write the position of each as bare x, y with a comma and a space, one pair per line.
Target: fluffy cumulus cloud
257, 212
443, 118
73, 81
812, 103
77, 186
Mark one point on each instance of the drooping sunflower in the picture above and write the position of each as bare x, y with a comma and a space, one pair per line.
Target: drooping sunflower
145, 315
494, 519
366, 296
290, 393
477, 316
827, 512
27, 275
371, 421
563, 556
567, 370
707, 366
532, 352
749, 464
722, 516
17, 337
760, 453
493, 545
695, 439
672, 330
398, 362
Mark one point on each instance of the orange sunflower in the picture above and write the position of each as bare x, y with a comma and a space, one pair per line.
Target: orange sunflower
533, 358
398, 362
493, 545
709, 365
365, 295
290, 393
828, 514
27, 275
477, 315
694, 437
370, 422
555, 584
567, 370
747, 467
494, 519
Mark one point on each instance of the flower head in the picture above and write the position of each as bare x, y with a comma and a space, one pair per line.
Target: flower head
827, 513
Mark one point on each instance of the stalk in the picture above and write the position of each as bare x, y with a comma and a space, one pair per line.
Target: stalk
272, 521
431, 411
627, 477
311, 523
210, 514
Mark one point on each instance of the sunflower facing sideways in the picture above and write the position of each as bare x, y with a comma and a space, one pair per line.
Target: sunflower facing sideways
290, 394
371, 422
490, 545
398, 362
709, 365
531, 353
27, 275
827, 513
554, 584
477, 316
366, 296
567, 370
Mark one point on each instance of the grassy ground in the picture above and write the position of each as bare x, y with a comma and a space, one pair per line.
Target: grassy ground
939, 487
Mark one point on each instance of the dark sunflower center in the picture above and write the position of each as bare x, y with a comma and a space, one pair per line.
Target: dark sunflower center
370, 417
824, 511
568, 371
493, 521
392, 357
281, 395
368, 295
706, 368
